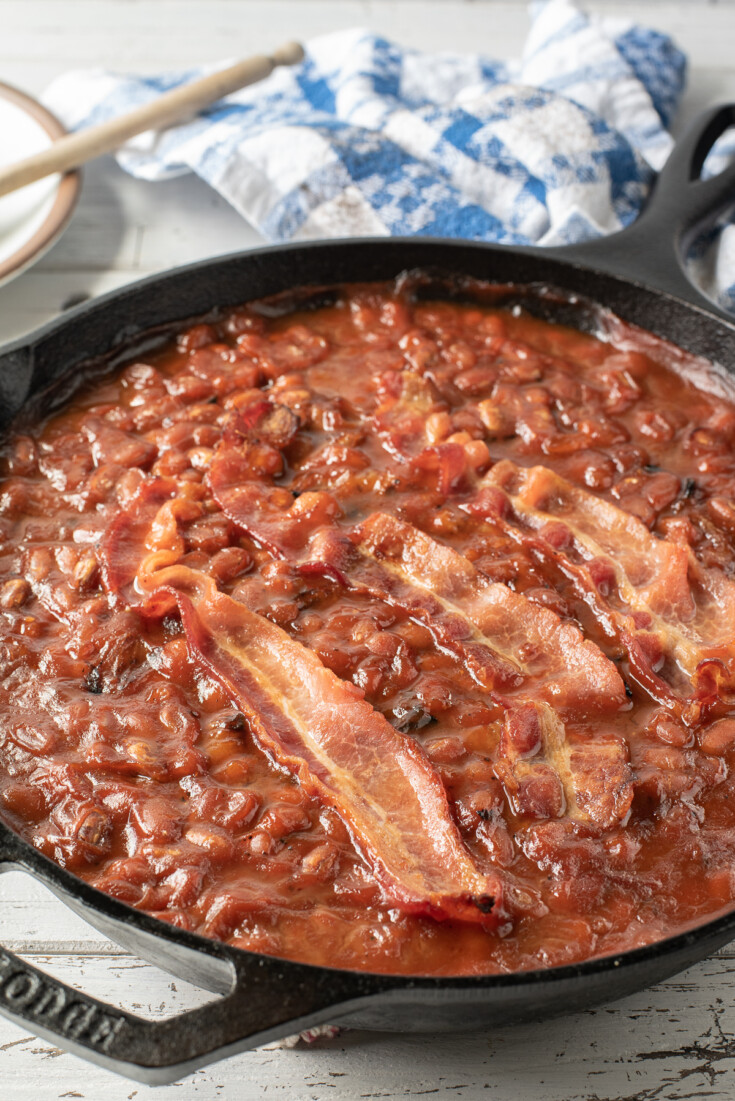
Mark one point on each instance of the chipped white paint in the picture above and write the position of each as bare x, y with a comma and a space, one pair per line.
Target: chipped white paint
675, 1041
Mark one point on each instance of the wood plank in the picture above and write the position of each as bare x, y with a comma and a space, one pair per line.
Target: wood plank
32, 919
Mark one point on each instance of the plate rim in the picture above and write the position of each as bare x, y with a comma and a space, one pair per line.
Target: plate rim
67, 192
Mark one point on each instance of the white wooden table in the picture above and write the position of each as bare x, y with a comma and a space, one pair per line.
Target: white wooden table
674, 1041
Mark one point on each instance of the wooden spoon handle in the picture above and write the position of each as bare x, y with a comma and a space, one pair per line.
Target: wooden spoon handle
74, 149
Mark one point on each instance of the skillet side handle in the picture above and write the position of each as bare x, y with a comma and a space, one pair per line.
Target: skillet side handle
268, 999
158, 1052
653, 249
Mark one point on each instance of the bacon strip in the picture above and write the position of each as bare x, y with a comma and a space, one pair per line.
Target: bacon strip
545, 652
502, 636
642, 647
528, 764
547, 774
507, 642
313, 724
400, 419
661, 588
344, 752
251, 451
143, 538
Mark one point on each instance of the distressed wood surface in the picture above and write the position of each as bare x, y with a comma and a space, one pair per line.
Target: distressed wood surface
674, 1041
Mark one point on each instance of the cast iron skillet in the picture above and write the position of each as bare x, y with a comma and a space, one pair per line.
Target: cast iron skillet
267, 998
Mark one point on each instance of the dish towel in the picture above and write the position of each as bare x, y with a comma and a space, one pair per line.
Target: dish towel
370, 138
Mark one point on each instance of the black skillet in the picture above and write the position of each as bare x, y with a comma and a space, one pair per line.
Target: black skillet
638, 274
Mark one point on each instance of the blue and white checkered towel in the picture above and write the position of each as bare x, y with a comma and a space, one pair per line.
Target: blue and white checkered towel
369, 138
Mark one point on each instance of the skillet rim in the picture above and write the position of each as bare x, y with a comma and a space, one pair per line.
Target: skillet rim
714, 931
61, 882
580, 259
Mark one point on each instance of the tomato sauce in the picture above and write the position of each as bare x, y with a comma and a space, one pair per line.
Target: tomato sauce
501, 548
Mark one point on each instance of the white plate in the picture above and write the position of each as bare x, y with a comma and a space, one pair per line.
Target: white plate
32, 218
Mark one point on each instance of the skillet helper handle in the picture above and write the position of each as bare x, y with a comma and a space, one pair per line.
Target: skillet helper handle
653, 249
256, 1011
268, 999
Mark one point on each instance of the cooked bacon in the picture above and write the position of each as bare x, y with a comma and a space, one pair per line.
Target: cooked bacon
144, 537
661, 600
526, 767
600, 778
400, 419
310, 722
546, 653
251, 450
589, 582
548, 774
343, 752
266, 421
545, 773
509, 644
415, 429
400, 820
502, 636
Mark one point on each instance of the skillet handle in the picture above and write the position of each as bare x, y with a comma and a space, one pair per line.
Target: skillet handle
262, 1006
267, 1000
652, 250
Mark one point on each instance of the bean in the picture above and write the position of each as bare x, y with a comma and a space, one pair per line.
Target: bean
14, 593
190, 388
476, 380
321, 863
718, 738
259, 843
95, 829
437, 427
723, 513
85, 575
198, 336
229, 563
219, 846
234, 772
283, 819
23, 800
445, 750
23, 457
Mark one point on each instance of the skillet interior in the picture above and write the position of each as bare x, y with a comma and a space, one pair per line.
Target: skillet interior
272, 997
